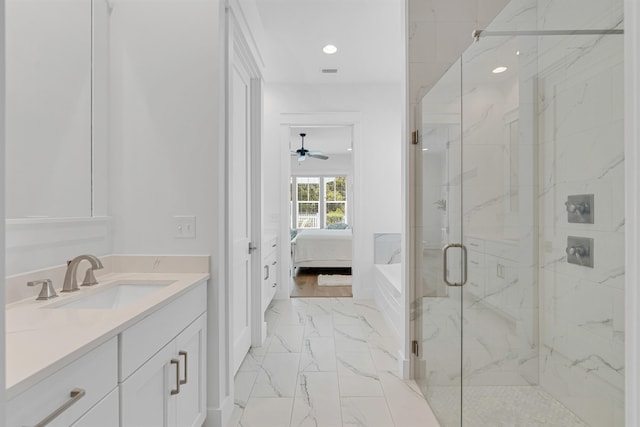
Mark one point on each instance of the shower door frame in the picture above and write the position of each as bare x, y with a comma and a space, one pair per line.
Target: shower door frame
632, 210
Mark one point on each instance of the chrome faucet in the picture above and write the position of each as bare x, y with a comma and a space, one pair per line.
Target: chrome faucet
70, 283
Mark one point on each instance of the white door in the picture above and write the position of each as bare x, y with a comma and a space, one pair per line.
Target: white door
240, 215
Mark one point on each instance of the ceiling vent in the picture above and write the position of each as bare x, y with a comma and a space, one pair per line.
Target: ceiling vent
329, 70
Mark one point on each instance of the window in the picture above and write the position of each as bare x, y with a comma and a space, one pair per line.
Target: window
335, 199
318, 201
308, 202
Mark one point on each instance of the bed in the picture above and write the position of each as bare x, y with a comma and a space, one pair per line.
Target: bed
322, 248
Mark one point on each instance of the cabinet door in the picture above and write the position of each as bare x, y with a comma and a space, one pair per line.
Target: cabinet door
146, 399
476, 273
104, 414
191, 401
494, 285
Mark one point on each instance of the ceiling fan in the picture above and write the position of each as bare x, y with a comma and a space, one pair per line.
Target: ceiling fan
303, 153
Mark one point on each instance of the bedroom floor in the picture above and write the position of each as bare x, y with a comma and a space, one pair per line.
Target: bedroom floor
326, 362
306, 283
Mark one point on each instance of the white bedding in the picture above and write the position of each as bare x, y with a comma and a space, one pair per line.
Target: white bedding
322, 248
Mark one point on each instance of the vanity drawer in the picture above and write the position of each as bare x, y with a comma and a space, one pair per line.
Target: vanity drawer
144, 339
502, 248
96, 373
474, 244
476, 273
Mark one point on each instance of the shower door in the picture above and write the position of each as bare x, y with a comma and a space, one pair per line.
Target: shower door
520, 179
438, 315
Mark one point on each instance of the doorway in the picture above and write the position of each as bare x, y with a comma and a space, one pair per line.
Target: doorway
325, 183
320, 210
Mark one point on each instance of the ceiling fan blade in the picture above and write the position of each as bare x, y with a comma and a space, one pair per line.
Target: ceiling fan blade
315, 152
318, 156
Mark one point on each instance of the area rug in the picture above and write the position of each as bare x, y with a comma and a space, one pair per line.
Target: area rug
334, 280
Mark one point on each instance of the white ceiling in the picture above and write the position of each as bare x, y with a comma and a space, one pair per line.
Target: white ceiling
327, 139
366, 32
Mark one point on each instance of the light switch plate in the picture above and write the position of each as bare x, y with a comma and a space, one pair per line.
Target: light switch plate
184, 226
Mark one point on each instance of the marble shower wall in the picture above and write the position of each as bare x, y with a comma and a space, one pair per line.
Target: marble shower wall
439, 31
581, 151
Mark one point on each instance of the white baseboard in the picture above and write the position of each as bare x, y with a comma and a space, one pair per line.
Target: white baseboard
220, 417
404, 366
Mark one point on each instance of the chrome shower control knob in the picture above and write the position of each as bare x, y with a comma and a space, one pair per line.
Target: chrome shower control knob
577, 251
579, 208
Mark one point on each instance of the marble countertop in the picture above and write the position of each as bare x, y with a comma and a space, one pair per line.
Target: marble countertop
41, 339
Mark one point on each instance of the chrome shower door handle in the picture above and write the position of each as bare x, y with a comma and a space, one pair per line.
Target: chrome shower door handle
445, 250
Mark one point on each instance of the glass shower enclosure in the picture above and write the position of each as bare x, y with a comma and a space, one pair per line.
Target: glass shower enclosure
520, 211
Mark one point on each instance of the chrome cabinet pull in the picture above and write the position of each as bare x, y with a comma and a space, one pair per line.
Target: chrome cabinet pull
75, 395
266, 272
177, 363
184, 353
445, 250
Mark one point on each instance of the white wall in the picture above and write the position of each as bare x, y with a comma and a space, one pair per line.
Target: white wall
377, 172
166, 150
48, 133
336, 164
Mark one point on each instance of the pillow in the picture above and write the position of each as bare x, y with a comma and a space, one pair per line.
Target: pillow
337, 226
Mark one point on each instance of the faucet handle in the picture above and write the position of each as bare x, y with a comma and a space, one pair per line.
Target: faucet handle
47, 291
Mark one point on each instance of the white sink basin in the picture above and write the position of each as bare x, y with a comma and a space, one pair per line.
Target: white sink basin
118, 295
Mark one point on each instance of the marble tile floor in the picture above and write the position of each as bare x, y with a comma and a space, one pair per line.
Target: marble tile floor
327, 362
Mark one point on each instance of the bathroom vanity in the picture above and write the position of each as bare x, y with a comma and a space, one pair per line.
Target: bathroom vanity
493, 272
130, 351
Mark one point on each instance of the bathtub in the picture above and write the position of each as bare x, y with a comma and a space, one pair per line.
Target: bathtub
387, 295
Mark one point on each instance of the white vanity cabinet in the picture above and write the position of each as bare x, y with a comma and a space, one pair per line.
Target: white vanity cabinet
476, 267
75, 392
168, 389
149, 372
493, 273
104, 414
269, 270
166, 386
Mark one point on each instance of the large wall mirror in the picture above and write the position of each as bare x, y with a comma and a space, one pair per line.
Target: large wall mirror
48, 108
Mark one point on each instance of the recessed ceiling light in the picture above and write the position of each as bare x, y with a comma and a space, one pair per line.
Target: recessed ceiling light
329, 49
499, 70
425, 149
349, 149
517, 53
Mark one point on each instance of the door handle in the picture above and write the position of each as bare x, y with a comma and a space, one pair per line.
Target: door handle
252, 248
177, 363
75, 395
184, 353
464, 264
